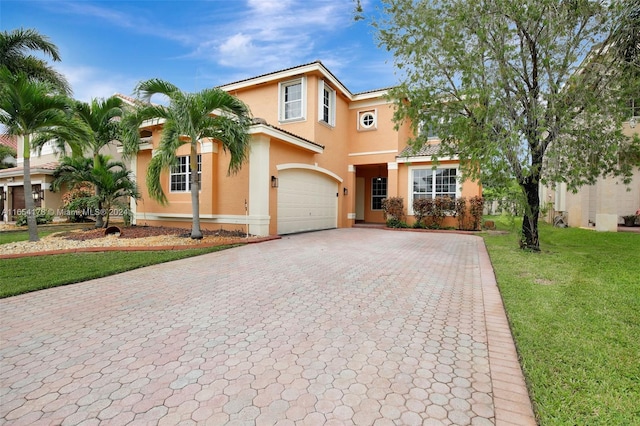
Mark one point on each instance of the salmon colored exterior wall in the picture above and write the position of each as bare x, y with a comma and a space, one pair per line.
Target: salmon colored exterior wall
343, 152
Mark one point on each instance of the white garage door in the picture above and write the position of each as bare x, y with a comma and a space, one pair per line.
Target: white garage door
307, 201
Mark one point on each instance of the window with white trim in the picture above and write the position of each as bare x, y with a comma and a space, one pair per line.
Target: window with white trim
428, 129
433, 183
292, 100
367, 120
180, 175
327, 104
378, 192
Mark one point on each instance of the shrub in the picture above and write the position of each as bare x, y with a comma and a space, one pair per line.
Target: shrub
460, 211
422, 207
395, 223
79, 202
476, 206
393, 208
42, 216
442, 206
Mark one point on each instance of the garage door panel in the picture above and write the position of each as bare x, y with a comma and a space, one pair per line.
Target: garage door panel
306, 201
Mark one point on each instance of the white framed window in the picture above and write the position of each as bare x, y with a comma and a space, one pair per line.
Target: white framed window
292, 100
326, 104
428, 130
427, 182
180, 175
367, 120
378, 192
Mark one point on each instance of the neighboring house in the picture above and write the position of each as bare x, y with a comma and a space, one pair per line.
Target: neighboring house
8, 160
602, 205
321, 157
43, 165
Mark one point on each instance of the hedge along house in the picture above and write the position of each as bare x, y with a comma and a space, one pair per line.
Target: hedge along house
321, 157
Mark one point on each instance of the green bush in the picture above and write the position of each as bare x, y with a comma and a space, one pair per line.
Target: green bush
396, 223
42, 216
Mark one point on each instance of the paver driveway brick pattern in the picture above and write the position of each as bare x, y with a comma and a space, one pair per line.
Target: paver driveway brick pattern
340, 327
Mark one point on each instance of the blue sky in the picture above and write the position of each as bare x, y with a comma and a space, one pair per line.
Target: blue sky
109, 46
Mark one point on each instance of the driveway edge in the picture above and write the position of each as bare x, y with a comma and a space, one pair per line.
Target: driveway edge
510, 394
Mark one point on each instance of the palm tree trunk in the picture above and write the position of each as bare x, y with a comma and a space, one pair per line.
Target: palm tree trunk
99, 220
99, 217
196, 233
29, 204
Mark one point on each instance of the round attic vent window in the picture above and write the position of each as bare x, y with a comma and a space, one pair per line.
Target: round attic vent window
367, 120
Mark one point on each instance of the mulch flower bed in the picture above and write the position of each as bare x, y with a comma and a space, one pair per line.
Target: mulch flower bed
146, 231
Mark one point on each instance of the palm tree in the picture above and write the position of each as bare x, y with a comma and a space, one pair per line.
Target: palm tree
189, 118
28, 107
103, 120
14, 48
112, 180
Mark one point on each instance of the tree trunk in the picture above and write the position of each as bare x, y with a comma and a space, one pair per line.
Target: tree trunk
99, 219
196, 233
530, 240
29, 204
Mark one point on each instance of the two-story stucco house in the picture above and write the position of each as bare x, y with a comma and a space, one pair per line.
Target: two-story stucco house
321, 157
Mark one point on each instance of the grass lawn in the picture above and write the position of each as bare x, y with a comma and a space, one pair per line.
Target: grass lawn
574, 311
35, 273
15, 236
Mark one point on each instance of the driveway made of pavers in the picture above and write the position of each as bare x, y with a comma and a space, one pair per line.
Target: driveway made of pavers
340, 327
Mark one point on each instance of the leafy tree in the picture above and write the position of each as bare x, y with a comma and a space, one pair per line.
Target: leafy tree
523, 89
189, 118
28, 107
102, 117
6, 151
625, 38
14, 48
113, 182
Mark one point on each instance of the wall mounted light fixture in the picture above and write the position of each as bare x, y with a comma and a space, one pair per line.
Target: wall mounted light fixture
38, 194
345, 191
274, 182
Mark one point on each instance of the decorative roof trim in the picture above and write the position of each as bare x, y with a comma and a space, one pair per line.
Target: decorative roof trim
285, 136
311, 67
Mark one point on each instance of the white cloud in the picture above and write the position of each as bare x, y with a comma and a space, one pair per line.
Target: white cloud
273, 34
88, 82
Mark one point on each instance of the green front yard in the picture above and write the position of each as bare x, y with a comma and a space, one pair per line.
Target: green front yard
26, 274
574, 310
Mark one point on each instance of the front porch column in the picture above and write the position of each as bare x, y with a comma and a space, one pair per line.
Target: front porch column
259, 185
392, 179
607, 206
350, 199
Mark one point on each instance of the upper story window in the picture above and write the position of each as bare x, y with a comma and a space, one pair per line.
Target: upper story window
327, 104
367, 120
292, 100
428, 130
180, 175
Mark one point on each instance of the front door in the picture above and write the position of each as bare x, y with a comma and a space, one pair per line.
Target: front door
17, 201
